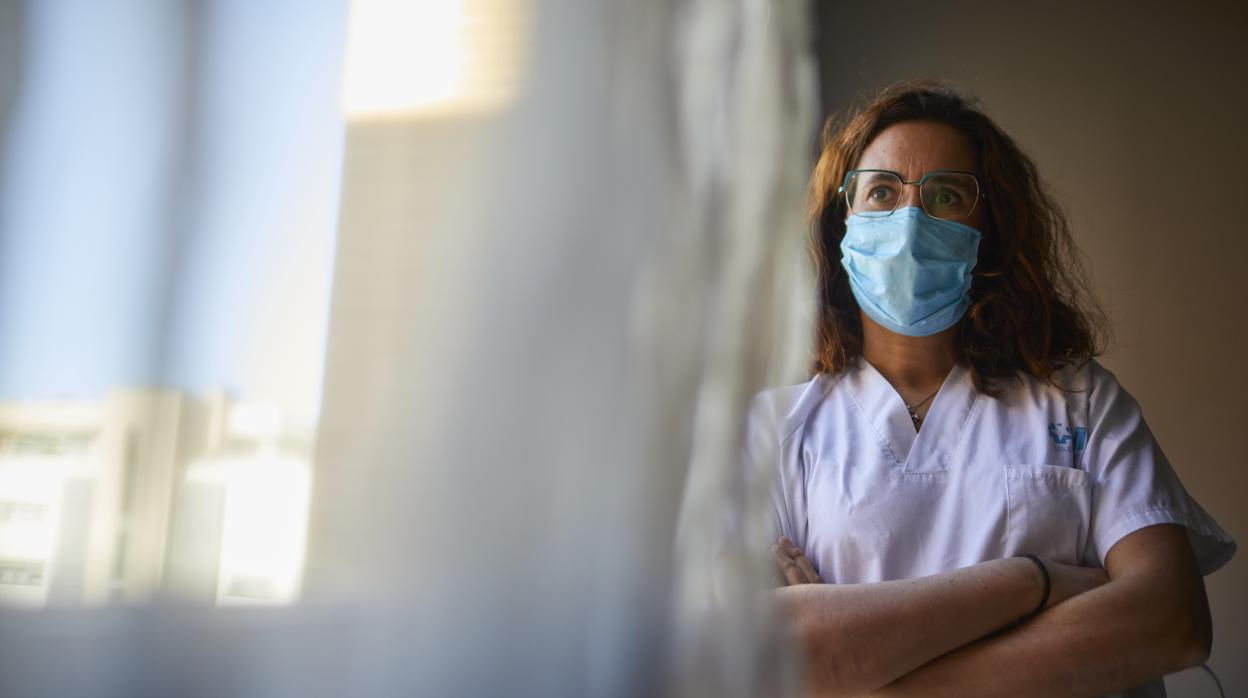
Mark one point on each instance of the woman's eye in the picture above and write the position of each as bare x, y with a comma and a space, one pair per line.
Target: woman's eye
947, 197
879, 194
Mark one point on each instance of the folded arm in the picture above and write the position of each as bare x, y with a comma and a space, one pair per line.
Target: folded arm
859, 637
1151, 619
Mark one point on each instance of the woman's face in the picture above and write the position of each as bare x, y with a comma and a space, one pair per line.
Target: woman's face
915, 148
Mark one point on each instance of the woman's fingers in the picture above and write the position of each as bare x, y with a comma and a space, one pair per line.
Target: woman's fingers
792, 574
803, 562
1071, 580
793, 554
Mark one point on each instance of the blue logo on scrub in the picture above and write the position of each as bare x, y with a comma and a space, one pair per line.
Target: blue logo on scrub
1063, 440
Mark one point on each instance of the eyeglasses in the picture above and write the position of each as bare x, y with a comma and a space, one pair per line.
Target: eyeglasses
946, 194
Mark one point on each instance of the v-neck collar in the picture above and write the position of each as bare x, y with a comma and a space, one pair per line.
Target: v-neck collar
931, 448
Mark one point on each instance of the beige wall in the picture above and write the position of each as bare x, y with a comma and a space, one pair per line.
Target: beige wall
1135, 113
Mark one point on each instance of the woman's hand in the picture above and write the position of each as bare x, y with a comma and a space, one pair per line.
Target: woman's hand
1068, 581
793, 564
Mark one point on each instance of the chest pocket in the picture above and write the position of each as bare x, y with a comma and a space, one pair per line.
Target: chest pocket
1048, 510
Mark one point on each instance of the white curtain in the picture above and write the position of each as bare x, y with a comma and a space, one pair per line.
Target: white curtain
555, 288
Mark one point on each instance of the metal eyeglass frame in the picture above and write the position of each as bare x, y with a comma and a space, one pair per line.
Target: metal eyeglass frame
979, 190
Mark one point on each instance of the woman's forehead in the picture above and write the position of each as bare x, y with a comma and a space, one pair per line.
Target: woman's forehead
915, 147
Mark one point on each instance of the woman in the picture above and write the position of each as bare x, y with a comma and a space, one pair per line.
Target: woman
957, 422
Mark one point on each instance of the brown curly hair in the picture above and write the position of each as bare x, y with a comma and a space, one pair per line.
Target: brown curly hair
1031, 305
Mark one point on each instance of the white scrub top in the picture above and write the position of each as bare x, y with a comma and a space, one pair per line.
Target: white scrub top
1061, 475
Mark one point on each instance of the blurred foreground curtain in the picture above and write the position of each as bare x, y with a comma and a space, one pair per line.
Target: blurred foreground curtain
169, 185
568, 252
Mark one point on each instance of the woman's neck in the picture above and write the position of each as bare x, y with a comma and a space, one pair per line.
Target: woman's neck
910, 364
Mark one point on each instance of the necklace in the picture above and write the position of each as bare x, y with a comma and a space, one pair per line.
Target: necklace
913, 409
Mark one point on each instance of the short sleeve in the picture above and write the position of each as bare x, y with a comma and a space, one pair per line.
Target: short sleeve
762, 458
1134, 484
774, 462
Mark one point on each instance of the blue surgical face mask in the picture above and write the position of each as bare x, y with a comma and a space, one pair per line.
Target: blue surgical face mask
910, 272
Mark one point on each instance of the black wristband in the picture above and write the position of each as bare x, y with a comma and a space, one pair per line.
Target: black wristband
1044, 598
